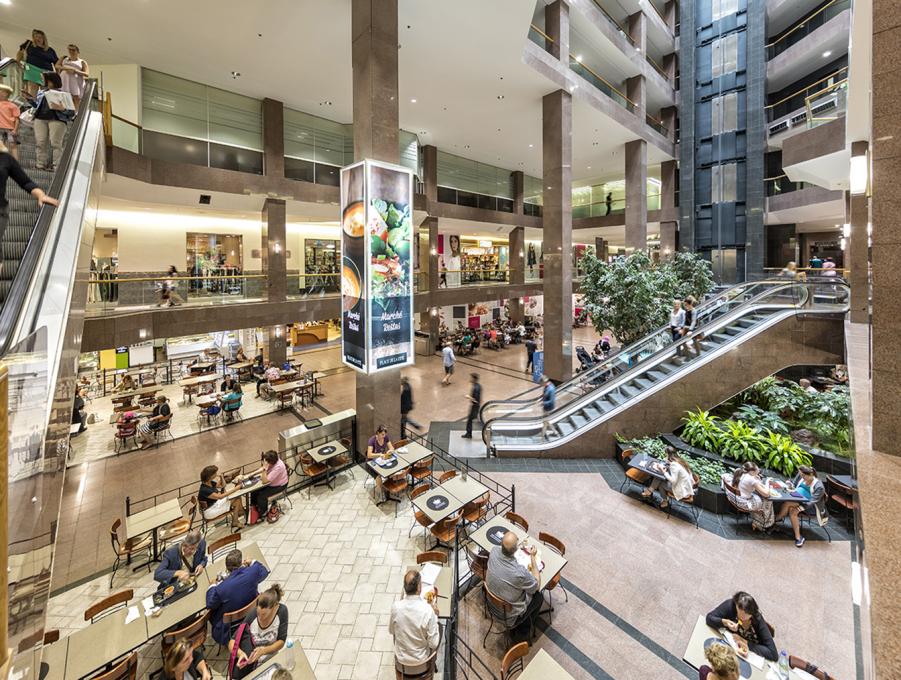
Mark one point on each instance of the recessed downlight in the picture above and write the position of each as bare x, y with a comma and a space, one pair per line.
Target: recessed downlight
827, 54
412, 101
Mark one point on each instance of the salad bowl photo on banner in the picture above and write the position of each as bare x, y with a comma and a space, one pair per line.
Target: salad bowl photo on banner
377, 266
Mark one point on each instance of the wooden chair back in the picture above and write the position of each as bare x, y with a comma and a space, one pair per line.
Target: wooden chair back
51, 636
497, 602
478, 562
114, 537
517, 520
419, 489
400, 442
513, 660
194, 631
108, 605
449, 474
223, 546
552, 541
239, 614
431, 556
127, 669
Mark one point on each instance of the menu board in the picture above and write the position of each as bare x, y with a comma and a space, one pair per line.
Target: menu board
376, 266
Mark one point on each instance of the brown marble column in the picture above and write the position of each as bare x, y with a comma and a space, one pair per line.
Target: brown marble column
600, 249
273, 249
857, 248
636, 195
428, 231
275, 345
557, 240
668, 118
518, 255
670, 11
636, 88
430, 172
668, 214
375, 126
273, 138
556, 25
517, 177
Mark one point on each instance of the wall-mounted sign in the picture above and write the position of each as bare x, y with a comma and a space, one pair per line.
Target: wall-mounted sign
376, 266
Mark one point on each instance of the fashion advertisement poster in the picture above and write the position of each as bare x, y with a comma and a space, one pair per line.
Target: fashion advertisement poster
377, 266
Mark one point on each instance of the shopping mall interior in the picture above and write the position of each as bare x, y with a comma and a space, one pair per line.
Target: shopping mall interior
390, 339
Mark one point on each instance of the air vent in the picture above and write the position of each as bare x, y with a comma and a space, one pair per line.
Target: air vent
205, 199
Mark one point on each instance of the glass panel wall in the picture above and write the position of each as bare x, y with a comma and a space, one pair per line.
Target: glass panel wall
463, 174
609, 198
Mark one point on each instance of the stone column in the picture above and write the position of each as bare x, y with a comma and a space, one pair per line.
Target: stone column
375, 127
636, 89
857, 248
429, 228
670, 10
668, 118
668, 214
517, 256
273, 249
273, 138
636, 195
668, 236
669, 66
517, 177
275, 345
557, 240
556, 25
430, 172
600, 249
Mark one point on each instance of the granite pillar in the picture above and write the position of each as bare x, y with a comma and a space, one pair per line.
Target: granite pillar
668, 118
375, 127
430, 172
517, 178
515, 310
556, 25
517, 255
557, 246
273, 138
668, 236
638, 31
670, 10
430, 323
636, 88
857, 257
668, 191
669, 66
636, 195
601, 249
273, 249
428, 234
275, 347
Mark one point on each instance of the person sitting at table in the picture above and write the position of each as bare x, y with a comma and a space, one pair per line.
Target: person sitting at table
753, 496
158, 419
723, 664
214, 498
414, 624
182, 560
231, 402
127, 384
274, 476
378, 445
808, 485
240, 355
270, 374
234, 592
679, 480
183, 662
741, 616
264, 633
514, 583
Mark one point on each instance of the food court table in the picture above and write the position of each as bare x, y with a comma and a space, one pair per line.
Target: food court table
491, 533
702, 635
845, 480
53, 656
444, 583
412, 452
395, 464
464, 490
645, 463
179, 610
324, 452
150, 520
543, 667
197, 380
106, 640
302, 669
438, 503
241, 490
140, 392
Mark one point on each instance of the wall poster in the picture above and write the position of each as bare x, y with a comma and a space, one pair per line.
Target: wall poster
376, 266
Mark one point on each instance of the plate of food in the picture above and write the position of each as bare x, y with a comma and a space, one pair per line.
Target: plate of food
354, 219
429, 593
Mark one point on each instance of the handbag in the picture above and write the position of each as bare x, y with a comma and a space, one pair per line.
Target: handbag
233, 657
27, 118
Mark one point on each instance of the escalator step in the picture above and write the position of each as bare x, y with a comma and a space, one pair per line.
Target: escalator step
629, 390
578, 420
615, 398
642, 383
564, 428
655, 376
591, 412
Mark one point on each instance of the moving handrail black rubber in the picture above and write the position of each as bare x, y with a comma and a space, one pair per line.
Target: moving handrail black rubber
27, 271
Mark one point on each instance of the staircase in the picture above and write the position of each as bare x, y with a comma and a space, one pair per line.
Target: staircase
749, 333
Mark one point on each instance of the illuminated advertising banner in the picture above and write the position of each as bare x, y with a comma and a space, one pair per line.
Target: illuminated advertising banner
376, 266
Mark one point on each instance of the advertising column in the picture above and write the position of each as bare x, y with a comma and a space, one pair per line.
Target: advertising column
377, 266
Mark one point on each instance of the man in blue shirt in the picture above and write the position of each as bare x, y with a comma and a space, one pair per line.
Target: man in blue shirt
238, 589
182, 560
548, 402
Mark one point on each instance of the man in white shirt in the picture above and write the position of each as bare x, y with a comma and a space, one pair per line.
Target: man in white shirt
448, 359
414, 624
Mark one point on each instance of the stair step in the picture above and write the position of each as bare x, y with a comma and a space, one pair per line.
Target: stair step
578, 420
564, 428
629, 390
591, 412
642, 383
615, 398
655, 376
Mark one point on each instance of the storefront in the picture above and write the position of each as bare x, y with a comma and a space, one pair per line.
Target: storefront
217, 262
321, 259
465, 260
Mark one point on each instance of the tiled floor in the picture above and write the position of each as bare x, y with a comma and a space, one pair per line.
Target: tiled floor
636, 583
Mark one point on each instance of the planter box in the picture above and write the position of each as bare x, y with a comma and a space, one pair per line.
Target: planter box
828, 462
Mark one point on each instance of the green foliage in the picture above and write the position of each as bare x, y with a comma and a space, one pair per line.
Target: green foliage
632, 296
784, 455
701, 430
740, 441
692, 273
761, 419
710, 471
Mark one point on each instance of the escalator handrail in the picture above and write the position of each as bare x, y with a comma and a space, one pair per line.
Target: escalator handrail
660, 355
14, 304
704, 309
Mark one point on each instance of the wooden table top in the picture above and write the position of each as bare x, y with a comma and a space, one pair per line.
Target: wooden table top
54, 656
288, 386
464, 491
198, 380
413, 452
321, 458
543, 667
238, 365
179, 610
149, 389
151, 518
109, 638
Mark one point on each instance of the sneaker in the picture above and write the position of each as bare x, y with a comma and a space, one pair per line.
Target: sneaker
800, 542
466, 436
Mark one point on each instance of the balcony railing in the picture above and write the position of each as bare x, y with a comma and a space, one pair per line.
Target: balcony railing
601, 84
474, 200
806, 26
616, 207
798, 99
781, 184
540, 38
827, 105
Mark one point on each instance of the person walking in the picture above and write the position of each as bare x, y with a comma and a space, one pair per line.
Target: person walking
609, 202
73, 70
548, 403
689, 322
448, 359
676, 320
51, 115
475, 402
168, 296
39, 58
406, 406
531, 346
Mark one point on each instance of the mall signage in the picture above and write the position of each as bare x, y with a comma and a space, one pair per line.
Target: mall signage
376, 266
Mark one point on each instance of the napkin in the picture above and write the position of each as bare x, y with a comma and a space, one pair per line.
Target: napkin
132, 615
429, 573
147, 602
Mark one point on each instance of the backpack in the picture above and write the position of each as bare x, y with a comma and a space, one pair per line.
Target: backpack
274, 513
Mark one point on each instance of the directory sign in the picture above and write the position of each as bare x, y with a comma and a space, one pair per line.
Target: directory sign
376, 266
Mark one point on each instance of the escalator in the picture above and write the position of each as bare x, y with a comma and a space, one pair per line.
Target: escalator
748, 332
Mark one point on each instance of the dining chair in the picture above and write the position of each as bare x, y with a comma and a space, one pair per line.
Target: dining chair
234, 618
445, 531
432, 556
162, 431
632, 475
513, 661
444, 476
108, 605
419, 517
688, 501
127, 669
395, 486
180, 527
422, 469
128, 549
207, 522
476, 511
423, 671
843, 496
517, 520
195, 632
557, 546
732, 495
223, 546
312, 469
499, 612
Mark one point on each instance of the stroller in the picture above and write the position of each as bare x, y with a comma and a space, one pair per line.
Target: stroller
585, 360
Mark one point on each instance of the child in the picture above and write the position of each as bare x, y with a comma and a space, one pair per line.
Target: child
9, 121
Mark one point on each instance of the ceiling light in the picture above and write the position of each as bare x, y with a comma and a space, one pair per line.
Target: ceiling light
579, 58
500, 96
412, 101
827, 54
235, 74
589, 167
531, 146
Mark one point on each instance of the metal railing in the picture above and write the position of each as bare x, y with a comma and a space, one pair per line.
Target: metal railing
826, 105
795, 100
781, 184
806, 26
